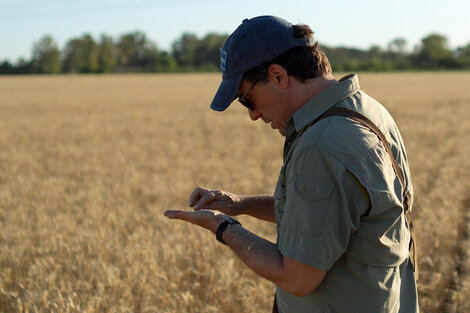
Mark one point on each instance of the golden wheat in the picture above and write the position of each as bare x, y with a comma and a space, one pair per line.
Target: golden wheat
88, 164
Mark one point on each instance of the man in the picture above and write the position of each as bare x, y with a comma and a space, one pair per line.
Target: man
343, 239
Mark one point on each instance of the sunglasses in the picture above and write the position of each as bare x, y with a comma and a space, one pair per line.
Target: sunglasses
246, 103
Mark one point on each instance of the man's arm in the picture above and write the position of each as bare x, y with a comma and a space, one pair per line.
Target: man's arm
259, 254
264, 257
261, 207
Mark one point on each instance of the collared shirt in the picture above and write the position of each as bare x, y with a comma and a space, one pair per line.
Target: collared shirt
338, 207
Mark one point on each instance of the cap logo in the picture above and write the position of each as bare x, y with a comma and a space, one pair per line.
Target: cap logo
223, 59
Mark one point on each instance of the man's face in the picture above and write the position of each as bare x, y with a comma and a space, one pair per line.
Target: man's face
267, 103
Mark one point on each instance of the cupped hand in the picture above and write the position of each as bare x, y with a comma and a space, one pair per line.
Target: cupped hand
222, 201
205, 218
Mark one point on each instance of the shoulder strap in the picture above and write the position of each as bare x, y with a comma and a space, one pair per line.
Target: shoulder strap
366, 122
406, 195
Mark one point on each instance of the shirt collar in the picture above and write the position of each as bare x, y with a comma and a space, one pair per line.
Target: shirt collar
347, 86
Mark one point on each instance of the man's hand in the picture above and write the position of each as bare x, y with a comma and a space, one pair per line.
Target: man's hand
207, 219
222, 201
257, 253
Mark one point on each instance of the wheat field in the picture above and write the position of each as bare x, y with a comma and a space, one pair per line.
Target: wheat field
88, 165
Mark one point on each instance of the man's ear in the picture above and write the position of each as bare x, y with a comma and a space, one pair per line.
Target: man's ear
278, 75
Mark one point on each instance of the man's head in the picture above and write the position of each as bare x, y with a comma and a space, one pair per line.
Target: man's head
261, 42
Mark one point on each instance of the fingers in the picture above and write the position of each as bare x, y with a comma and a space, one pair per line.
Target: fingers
203, 198
207, 219
196, 195
187, 216
177, 214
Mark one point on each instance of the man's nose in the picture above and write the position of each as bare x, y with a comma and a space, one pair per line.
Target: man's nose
254, 115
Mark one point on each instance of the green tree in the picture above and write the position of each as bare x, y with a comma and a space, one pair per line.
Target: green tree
207, 54
346, 59
107, 54
376, 60
46, 55
434, 52
200, 54
135, 50
465, 51
462, 55
90, 55
397, 54
184, 50
24, 66
6, 67
72, 59
165, 63
398, 46
81, 55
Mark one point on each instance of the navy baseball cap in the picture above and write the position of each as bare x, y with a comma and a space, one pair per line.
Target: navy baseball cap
254, 42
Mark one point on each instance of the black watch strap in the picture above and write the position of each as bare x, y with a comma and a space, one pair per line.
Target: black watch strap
223, 226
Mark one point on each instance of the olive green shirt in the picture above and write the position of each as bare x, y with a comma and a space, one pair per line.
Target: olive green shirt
338, 207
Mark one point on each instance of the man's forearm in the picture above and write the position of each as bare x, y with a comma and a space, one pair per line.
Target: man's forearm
259, 254
261, 207
264, 257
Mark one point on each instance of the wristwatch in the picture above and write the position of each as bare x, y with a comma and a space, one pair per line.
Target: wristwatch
223, 226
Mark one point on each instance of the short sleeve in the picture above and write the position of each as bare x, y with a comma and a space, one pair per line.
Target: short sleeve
323, 207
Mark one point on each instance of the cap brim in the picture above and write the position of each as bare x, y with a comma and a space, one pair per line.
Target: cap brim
226, 93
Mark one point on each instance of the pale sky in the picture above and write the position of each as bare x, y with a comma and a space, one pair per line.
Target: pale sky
350, 23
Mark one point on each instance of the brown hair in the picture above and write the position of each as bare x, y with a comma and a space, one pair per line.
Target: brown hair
302, 62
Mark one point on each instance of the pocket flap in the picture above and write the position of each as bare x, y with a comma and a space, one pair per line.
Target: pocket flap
312, 188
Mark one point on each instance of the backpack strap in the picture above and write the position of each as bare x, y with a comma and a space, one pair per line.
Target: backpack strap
406, 194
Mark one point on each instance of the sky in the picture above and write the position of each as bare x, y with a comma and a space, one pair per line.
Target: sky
357, 24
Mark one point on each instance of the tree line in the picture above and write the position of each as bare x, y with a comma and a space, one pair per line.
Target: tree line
134, 52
